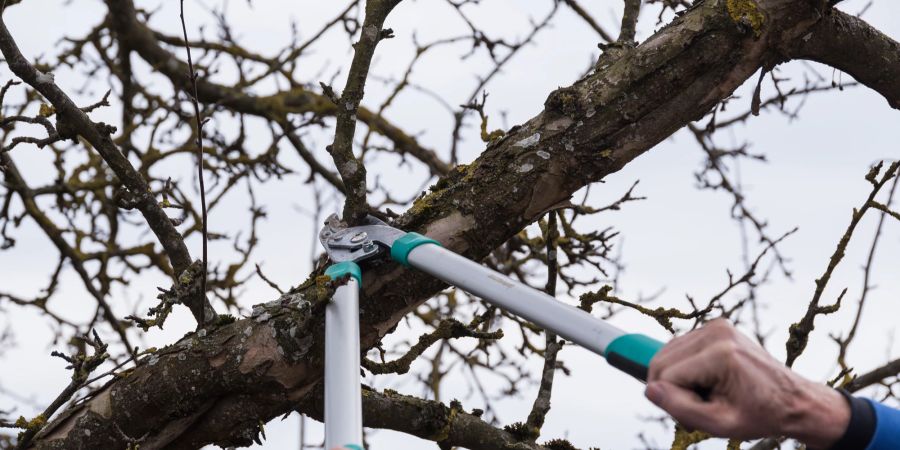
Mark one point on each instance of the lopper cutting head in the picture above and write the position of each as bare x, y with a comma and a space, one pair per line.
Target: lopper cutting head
361, 243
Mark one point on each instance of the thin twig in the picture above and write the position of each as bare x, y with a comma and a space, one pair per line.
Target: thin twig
541, 405
196, 103
844, 343
799, 332
629, 21
590, 20
271, 283
81, 365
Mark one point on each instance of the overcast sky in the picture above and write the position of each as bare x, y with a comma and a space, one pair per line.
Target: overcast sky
680, 240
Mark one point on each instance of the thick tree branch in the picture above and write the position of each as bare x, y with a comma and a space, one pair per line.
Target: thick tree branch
875, 376
450, 426
849, 44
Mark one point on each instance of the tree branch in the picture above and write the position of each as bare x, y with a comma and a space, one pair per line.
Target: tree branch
353, 171
72, 122
449, 426
629, 21
198, 119
17, 184
541, 405
849, 44
298, 100
590, 20
799, 332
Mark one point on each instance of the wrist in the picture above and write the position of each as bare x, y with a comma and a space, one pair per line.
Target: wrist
817, 415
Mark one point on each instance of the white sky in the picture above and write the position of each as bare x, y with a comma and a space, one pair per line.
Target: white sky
680, 239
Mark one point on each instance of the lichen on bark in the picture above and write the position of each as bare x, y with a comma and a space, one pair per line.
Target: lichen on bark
748, 13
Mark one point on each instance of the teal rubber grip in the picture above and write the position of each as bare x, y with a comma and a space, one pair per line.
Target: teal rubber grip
631, 353
353, 447
340, 269
401, 248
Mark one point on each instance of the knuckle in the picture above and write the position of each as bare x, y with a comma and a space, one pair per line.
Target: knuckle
690, 338
722, 329
726, 351
720, 325
656, 368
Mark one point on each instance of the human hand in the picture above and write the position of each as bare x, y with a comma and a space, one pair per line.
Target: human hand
751, 395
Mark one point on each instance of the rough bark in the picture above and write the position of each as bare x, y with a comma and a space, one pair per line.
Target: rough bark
217, 388
849, 44
450, 425
353, 171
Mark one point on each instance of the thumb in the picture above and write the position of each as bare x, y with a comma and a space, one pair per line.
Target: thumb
688, 408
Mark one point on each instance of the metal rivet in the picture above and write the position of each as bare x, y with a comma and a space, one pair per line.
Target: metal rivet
359, 237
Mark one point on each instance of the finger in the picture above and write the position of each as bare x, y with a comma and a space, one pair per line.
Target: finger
703, 369
689, 409
662, 359
673, 351
682, 347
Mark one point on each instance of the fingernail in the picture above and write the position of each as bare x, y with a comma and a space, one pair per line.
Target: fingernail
655, 393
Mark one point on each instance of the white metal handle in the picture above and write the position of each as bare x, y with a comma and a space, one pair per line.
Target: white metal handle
343, 397
565, 320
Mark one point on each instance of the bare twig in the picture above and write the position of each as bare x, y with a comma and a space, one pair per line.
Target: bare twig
541, 405
799, 332
629, 22
589, 20
81, 365
844, 343
352, 171
199, 131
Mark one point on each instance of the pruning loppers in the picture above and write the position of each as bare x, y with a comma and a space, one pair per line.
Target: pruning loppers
349, 246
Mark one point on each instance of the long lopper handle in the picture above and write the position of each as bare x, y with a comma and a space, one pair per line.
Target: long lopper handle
343, 396
630, 353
